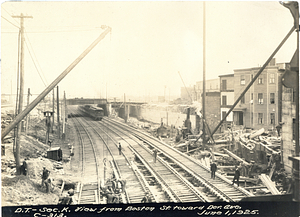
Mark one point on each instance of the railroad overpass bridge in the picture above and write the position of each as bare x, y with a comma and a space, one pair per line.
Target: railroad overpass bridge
132, 108
114, 104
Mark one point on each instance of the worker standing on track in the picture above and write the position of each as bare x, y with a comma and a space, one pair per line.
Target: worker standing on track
120, 148
213, 169
154, 155
236, 176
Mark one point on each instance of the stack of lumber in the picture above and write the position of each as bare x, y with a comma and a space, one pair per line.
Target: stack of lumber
269, 184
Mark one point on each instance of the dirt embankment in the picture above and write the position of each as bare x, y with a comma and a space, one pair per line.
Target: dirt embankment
27, 190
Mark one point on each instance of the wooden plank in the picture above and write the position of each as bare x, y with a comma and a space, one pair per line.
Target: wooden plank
236, 157
269, 184
257, 133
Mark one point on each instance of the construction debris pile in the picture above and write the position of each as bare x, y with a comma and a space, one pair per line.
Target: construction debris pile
255, 153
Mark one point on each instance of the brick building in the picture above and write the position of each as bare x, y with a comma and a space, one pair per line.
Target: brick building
212, 100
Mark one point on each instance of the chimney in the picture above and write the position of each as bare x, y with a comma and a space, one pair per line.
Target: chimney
272, 62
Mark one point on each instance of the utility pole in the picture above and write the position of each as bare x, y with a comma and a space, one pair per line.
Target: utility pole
64, 118
17, 151
125, 113
204, 90
53, 105
27, 117
165, 93
58, 122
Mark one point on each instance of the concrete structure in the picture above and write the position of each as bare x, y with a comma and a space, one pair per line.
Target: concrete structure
261, 105
82, 101
288, 127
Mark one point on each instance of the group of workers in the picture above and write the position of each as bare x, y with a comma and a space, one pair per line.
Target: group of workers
236, 177
112, 190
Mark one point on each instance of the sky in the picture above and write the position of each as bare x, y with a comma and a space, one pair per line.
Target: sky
149, 44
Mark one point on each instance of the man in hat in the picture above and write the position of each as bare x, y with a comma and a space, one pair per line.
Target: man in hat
278, 128
154, 155
213, 169
236, 176
120, 148
23, 168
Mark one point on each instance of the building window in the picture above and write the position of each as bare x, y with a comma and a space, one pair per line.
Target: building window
224, 100
223, 114
272, 98
243, 100
260, 118
294, 128
251, 118
260, 98
294, 94
251, 77
243, 82
260, 80
272, 78
224, 84
272, 118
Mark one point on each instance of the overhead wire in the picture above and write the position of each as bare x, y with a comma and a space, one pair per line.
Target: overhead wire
35, 64
10, 22
44, 77
11, 17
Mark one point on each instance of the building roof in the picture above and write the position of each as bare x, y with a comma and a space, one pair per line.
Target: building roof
228, 75
54, 149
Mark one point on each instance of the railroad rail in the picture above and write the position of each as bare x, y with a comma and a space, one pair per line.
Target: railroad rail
89, 188
220, 186
136, 187
124, 168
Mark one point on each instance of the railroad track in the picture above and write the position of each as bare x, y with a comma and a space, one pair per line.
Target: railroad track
177, 187
89, 188
220, 186
136, 186
124, 169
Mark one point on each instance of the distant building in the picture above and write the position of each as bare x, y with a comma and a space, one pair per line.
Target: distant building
195, 92
161, 99
188, 94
